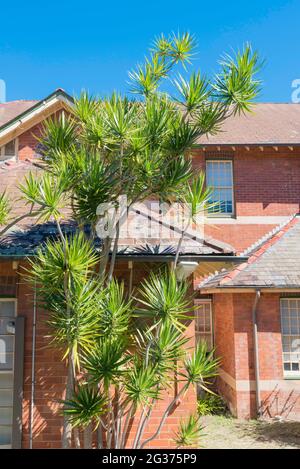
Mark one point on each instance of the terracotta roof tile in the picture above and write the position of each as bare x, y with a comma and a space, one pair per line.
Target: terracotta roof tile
274, 263
13, 173
269, 123
24, 241
24, 238
12, 109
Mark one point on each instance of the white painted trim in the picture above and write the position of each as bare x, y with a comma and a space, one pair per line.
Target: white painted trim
249, 220
199, 302
17, 148
4, 157
227, 378
15, 300
222, 215
238, 385
224, 289
44, 106
265, 385
288, 373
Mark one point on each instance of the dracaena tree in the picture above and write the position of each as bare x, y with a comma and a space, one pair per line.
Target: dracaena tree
126, 352
121, 353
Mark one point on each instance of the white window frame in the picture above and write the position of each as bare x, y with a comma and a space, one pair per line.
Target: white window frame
14, 300
202, 334
4, 157
289, 373
222, 214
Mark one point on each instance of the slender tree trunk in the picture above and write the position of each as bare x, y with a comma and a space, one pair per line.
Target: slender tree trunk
76, 438
126, 426
118, 418
114, 253
67, 427
116, 241
140, 426
104, 258
179, 244
100, 436
111, 432
165, 415
144, 423
87, 437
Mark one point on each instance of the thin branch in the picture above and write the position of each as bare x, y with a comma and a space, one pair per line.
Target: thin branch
144, 423
126, 425
29, 214
87, 437
165, 415
136, 439
179, 243
114, 253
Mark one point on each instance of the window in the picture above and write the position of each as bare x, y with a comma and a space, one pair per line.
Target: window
219, 178
7, 347
8, 286
290, 330
9, 150
203, 322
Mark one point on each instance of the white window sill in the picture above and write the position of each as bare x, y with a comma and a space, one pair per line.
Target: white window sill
291, 376
220, 215
7, 158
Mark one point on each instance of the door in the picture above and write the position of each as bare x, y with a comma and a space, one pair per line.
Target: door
7, 352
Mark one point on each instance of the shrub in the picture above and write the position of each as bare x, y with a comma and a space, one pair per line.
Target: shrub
211, 404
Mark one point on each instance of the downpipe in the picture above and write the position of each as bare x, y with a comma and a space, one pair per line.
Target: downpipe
256, 354
33, 370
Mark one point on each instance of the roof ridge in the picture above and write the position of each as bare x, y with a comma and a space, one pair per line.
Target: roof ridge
35, 105
255, 251
272, 102
19, 101
255, 246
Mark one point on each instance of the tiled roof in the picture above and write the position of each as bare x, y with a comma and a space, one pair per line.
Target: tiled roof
268, 123
25, 242
24, 238
12, 109
13, 173
274, 263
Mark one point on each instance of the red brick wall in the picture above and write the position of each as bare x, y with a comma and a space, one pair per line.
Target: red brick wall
243, 336
28, 142
51, 377
266, 183
224, 328
234, 342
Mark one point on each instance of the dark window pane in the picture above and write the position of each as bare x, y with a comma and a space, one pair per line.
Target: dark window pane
219, 179
10, 148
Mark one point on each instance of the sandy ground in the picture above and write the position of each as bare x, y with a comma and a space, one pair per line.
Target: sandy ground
222, 432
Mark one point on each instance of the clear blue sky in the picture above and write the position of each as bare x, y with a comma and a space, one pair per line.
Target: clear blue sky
92, 44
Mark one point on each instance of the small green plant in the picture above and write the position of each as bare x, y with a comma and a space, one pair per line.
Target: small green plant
211, 404
4, 208
189, 432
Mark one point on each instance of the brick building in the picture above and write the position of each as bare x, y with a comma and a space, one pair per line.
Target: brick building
253, 167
